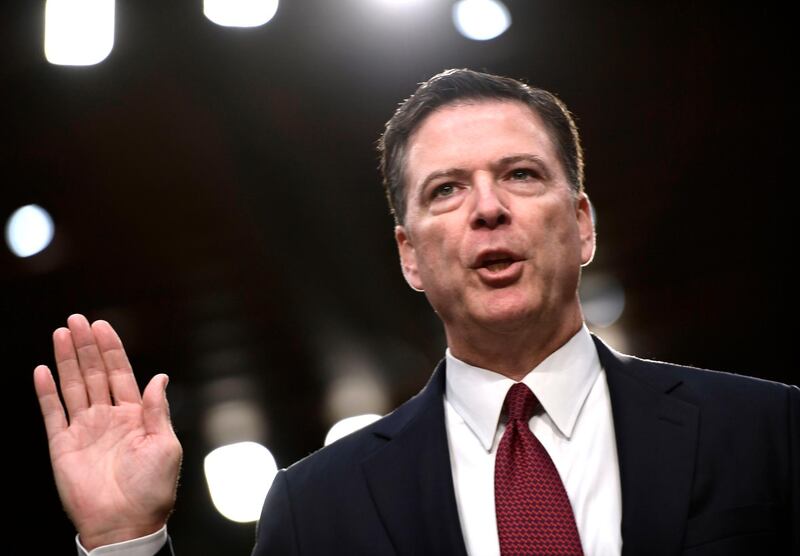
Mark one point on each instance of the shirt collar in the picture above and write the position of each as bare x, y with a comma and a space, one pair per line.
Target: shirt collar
561, 383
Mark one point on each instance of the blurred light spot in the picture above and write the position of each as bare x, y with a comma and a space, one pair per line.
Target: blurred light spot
614, 336
240, 13
355, 379
602, 299
355, 393
78, 32
481, 20
29, 230
400, 2
224, 361
348, 425
239, 477
234, 421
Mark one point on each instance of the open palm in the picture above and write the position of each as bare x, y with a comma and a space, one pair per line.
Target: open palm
116, 459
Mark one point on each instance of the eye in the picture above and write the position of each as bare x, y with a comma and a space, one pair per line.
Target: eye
443, 190
522, 174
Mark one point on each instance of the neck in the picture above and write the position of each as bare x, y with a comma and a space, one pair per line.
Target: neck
512, 353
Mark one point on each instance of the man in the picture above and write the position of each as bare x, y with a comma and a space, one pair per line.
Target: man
485, 178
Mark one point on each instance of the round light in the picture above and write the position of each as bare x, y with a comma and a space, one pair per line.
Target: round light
348, 425
29, 230
240, 13
239, 477
481, 20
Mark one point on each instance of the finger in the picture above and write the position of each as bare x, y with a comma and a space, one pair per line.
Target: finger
120, 374
89, 360
155, 406
69, 373
55, 421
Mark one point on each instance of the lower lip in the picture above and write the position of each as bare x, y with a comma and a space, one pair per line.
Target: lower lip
501, 278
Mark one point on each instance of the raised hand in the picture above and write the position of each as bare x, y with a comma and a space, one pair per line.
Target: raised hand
115, 456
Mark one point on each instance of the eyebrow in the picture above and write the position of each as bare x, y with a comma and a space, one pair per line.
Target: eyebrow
501, 163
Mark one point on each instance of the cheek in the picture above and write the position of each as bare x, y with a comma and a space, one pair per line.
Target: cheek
563, 227
558, 242
437, 251
436, 261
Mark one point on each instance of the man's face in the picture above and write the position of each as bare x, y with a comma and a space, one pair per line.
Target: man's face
493, 233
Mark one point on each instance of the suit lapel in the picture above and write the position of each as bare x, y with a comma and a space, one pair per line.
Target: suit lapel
410, 478
656, 437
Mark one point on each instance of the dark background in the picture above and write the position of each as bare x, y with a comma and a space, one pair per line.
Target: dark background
216, 198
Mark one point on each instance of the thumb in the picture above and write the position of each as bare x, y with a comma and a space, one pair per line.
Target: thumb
156, 407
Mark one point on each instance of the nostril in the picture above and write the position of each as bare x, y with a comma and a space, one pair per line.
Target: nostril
491, 222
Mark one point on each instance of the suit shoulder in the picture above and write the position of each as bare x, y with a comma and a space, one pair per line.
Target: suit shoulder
342, 456
705, 384
353, 447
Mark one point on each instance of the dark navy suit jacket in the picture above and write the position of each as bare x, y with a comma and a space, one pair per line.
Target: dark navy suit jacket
709, 464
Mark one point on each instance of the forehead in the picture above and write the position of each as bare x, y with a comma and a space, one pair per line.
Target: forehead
469, 135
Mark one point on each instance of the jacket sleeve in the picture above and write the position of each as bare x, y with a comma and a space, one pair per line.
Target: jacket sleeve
275, 533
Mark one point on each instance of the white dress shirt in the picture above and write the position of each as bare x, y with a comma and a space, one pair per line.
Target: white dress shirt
143, 546
575, 427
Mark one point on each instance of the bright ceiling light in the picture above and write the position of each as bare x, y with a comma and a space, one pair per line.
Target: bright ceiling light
78, 32
348, 425
481, 20
29, 230
240, 13
239, 476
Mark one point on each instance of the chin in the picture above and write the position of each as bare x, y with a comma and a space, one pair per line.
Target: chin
509, 313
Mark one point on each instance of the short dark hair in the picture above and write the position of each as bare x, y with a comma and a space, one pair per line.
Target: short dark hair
456, 85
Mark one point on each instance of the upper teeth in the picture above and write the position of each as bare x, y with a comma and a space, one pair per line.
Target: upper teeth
498, 265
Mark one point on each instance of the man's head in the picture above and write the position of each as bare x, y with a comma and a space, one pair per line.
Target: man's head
491, 223
461, 85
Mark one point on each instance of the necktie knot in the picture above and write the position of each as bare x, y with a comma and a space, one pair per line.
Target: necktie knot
520, 402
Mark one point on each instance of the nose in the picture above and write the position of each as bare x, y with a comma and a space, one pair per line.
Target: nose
490, 209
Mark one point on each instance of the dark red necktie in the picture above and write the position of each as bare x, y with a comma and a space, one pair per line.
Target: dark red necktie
534, 515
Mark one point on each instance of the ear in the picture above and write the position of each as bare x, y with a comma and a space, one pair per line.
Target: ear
408, 258
584, 215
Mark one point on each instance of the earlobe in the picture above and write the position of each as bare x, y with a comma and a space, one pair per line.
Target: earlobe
585, 215
408, 258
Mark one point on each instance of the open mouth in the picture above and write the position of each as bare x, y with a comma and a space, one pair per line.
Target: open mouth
499, 268
497, 265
